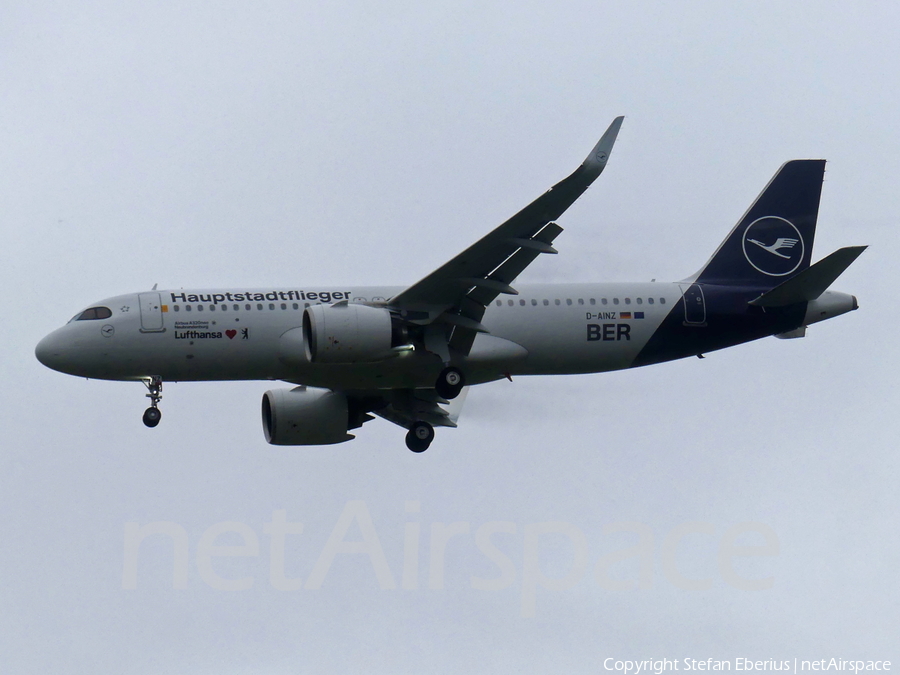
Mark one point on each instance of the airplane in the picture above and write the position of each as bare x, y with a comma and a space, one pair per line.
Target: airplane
409, 354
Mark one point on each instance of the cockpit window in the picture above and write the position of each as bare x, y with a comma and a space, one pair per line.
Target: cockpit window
94, 313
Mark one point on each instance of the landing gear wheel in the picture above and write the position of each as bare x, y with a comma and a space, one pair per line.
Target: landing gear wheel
449, 383
420, 436
152, 416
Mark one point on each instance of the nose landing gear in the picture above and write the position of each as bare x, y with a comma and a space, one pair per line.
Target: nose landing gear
420, 436
153, 415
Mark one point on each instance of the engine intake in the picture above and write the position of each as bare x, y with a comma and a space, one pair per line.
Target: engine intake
305, 416
347, 333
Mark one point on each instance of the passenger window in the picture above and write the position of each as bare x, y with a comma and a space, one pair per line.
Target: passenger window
615, 301
556, 302
271, 305
199, 308
212, 308
306, 304
259, 306
649, 301
662, 301
224, 308
176, 308
580, 301
522, 303
283, 305
593, 301
296, 306
640, 301
187, 308
604, 301
499, 303
534, 302
237, 308
546, 302
248, 307
627, 301
568, 301
510, 303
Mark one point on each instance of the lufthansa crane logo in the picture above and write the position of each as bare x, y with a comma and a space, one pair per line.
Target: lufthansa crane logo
773, 246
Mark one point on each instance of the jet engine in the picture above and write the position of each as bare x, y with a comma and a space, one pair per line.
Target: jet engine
347, 333
305, 416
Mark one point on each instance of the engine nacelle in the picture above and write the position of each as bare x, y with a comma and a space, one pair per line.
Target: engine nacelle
347, 333
305, 416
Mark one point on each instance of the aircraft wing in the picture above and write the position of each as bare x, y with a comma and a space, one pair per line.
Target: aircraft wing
458, 292
411, 405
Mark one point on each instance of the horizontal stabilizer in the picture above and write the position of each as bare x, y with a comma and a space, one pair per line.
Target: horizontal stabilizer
811, 282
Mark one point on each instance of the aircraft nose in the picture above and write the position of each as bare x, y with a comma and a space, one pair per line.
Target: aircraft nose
49, 351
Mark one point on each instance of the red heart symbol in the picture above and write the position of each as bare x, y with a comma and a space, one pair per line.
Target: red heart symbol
230, 333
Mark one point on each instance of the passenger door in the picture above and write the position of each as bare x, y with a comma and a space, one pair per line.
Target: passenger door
151, 313
694, 305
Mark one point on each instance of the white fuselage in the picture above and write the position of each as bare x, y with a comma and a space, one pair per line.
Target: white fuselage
191, 335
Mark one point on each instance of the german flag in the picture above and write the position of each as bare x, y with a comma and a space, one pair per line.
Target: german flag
624, 315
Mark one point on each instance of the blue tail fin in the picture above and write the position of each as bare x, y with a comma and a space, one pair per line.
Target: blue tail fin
774, 239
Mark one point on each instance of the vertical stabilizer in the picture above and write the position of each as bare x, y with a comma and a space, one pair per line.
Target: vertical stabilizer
774, 239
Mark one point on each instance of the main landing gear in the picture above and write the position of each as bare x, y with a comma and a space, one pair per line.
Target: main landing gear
448, 386
152, 415
420, 436
449, 383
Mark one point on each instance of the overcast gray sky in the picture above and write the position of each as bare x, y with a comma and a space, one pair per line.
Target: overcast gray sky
272, 143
